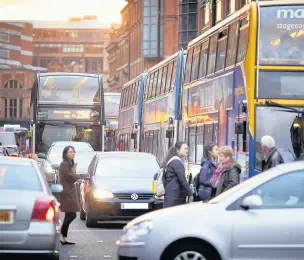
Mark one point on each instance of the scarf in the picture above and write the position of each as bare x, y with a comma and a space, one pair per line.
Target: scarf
216, 177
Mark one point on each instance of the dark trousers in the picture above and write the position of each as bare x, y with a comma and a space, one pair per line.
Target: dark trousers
68, 219
169, 202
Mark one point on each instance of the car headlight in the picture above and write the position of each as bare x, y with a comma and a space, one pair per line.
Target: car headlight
138, 230
159, 198
103, 194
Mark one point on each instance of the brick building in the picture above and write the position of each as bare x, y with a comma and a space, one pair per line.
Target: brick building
76, 45
147, 35
197, 16
17, 74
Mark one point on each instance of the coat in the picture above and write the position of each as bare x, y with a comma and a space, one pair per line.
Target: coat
272, 159
68, 198
230, 177
208, 167
175, 183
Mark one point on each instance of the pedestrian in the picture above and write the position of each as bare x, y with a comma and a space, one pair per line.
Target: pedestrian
272, 157
174, 178
68, 199
229, 171
208, 167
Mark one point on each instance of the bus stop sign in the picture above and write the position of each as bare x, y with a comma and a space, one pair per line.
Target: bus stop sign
29, 133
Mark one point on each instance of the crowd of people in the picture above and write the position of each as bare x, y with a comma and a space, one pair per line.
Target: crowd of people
219, 171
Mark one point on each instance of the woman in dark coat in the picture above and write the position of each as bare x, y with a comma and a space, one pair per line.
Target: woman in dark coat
174, 178
229, 172
68, 199
206, 175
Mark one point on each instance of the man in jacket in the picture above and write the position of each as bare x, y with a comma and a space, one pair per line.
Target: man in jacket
272, 157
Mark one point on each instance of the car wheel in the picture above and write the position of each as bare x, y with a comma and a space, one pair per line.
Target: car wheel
190, 252
90, 222
82, 214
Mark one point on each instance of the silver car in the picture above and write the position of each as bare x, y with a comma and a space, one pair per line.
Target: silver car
29, 213
262, 218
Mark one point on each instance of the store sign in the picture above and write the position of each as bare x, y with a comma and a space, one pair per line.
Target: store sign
68, 114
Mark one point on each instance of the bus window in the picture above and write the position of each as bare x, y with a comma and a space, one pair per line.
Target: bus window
192, 138
172, 85
164, 75
155, 82
212, 54
232, 44
133, 93
188, 66
243, 39
129, 95
281, 35
199, 143
221, 50
137, 91
147, 87
169, 74
195, 63
203, 59
159, 81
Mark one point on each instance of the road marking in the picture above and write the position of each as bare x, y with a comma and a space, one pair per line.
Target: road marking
107, 256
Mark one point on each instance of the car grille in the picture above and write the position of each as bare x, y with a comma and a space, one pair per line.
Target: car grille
127, 196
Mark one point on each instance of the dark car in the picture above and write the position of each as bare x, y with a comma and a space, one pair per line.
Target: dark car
120, 187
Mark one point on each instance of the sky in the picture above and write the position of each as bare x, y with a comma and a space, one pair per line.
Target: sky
108, 11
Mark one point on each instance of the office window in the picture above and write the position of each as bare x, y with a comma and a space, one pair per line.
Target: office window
13, 108
205, 14
5, 108
4, 54
218, 10
152, 39
20, 108
187, 22
4, 37
13, 84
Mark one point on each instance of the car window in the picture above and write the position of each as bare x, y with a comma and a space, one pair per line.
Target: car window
285, 191
138, 167
19, 177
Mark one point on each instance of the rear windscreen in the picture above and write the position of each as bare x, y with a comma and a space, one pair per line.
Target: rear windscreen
19, 177
7, 138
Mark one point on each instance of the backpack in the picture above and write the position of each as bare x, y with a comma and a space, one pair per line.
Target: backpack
160, 189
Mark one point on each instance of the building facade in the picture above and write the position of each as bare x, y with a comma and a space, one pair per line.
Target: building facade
147, 35
76, 45
17, 74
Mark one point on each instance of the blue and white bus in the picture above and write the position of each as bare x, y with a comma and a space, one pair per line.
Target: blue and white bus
130, 114
161, 122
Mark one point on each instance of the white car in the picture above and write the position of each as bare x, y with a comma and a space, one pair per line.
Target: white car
262, 218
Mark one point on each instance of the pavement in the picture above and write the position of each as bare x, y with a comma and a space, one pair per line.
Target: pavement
92, 243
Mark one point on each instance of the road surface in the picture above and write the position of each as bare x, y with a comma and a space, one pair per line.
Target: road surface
92, 243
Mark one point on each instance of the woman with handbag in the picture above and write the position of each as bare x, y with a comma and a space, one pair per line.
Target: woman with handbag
207, 189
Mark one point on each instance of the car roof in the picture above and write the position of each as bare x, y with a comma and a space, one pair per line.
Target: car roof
16, 160
68, 142
124, 154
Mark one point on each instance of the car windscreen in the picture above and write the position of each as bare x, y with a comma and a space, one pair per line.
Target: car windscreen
11, 150
127, 167
57, 149
83, 160
19, 177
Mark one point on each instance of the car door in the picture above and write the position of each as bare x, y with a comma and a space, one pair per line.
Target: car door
274, 230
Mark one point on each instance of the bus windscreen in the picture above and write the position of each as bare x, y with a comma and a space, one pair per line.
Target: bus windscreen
69, 89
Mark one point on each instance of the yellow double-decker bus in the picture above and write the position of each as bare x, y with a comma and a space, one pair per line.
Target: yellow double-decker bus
243, 80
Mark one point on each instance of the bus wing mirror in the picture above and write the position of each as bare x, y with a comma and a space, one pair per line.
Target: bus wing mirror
133, 136
240, 127
244, 108
169, 134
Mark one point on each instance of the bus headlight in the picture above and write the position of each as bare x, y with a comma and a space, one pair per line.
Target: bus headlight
103, 194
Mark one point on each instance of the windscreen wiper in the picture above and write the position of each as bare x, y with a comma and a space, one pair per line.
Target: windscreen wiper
288, 108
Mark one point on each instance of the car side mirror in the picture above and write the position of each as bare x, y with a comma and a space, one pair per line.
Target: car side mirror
55, 167
56, 189
253, 201
155, 177
41, 156
85, 177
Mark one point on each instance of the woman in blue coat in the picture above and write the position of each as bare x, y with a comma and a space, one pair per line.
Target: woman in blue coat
207, 188
174, 178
